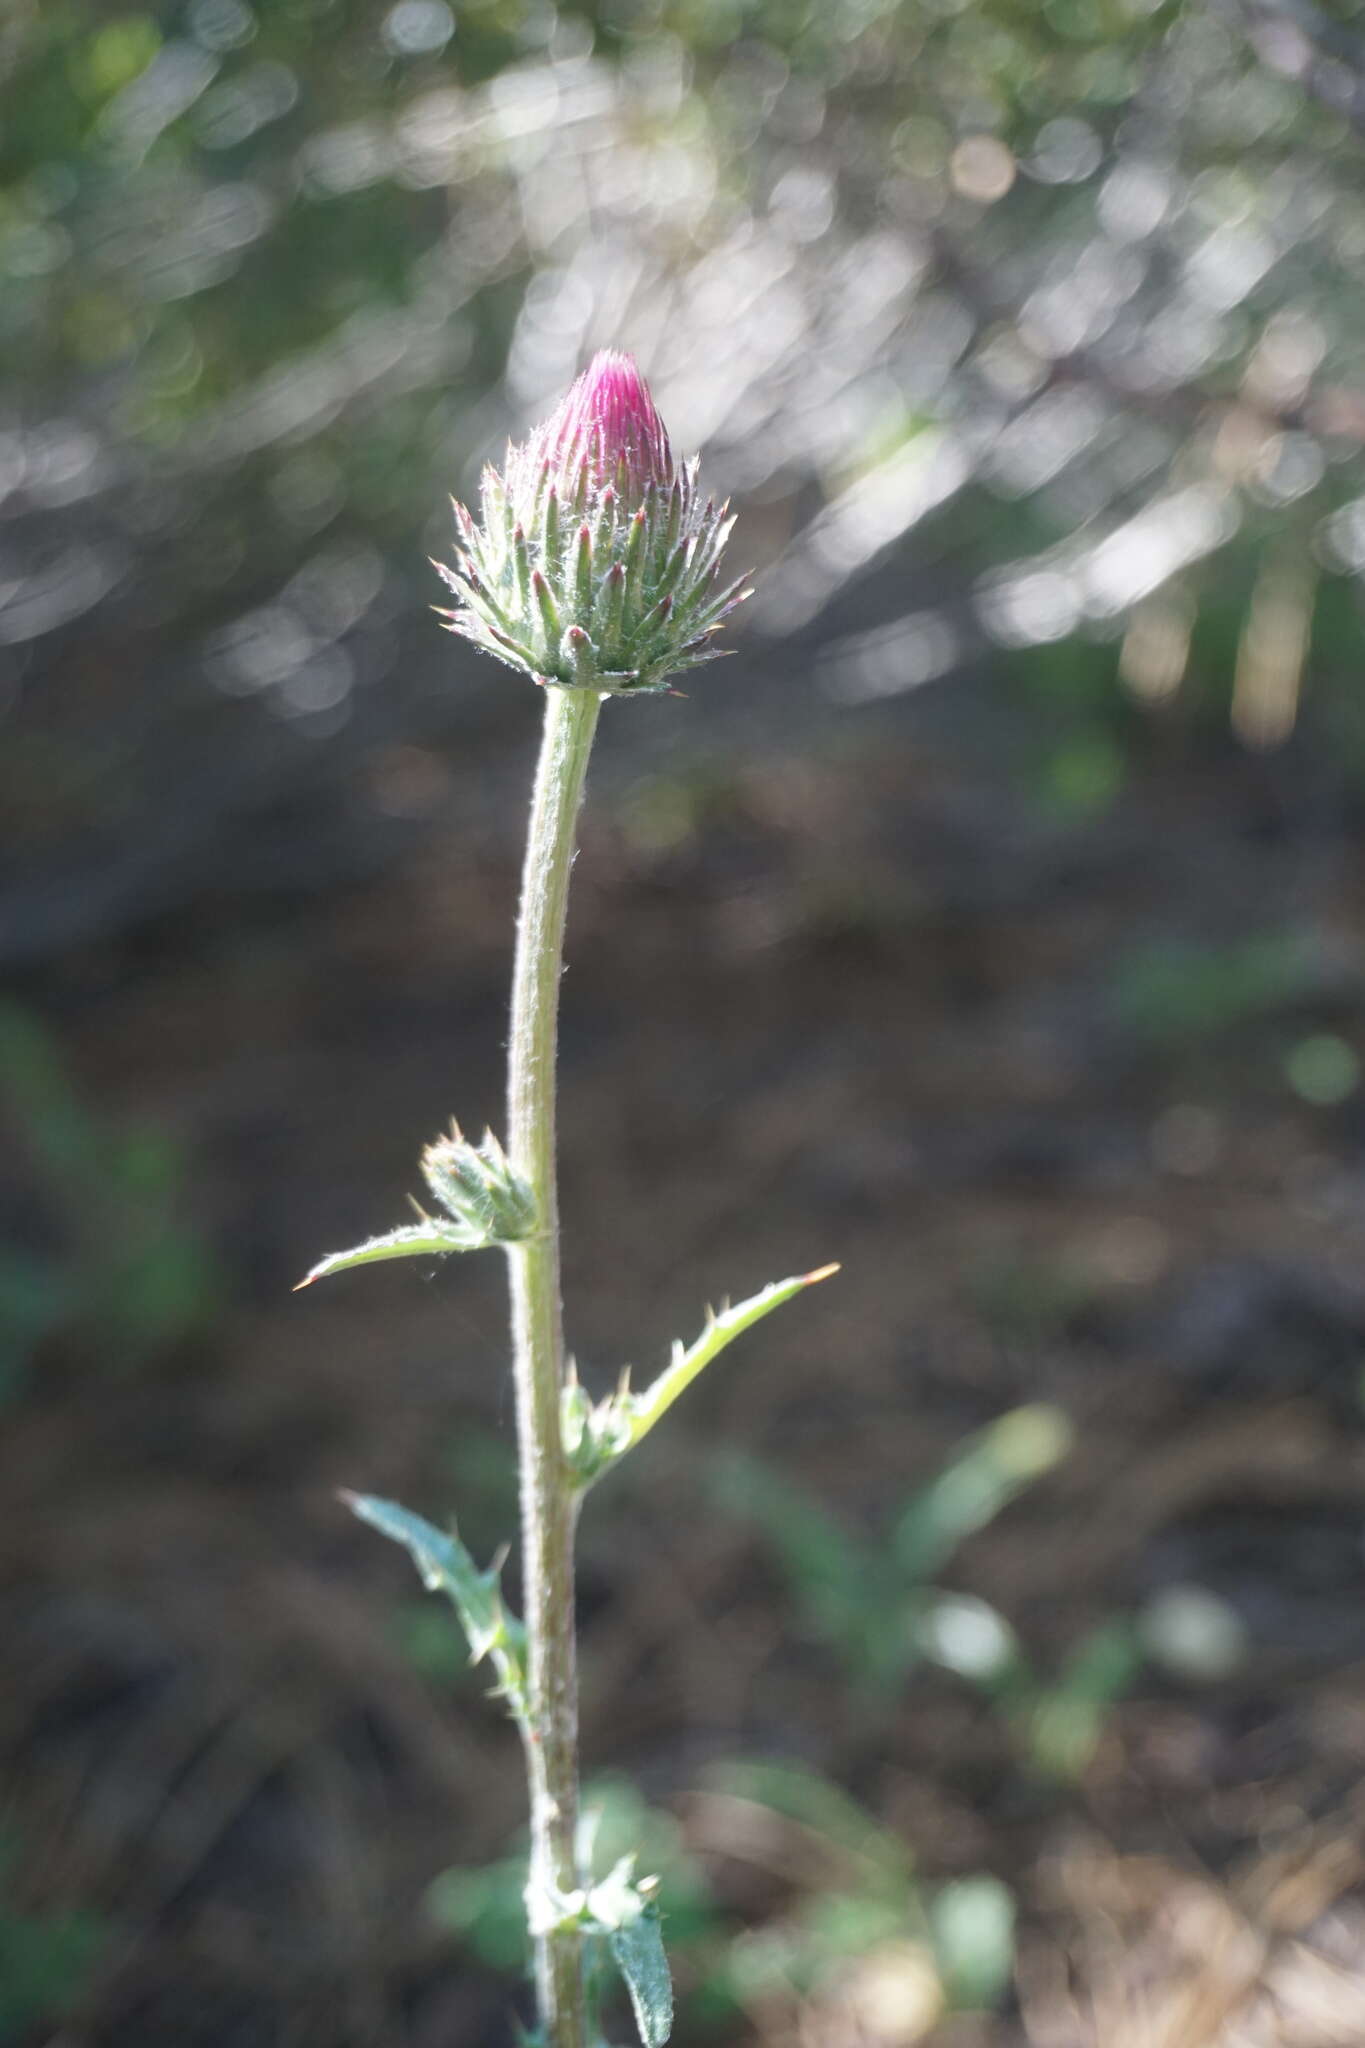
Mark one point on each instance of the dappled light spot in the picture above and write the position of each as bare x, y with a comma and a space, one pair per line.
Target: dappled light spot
1039, 442
1142, 554
1195, 1634
344, 159
1156, 644
1323, 1069
872, 513
56, 463
334, 590
982, 168
429, 135
1065, 152
1228, 265
38, 600
890, 659
1342, 536
229, 114
802, 203
320, 684
1135, 199
258, 650
1274, 646
1081, 297
221, 24
1030, 608
167, 88
418, 28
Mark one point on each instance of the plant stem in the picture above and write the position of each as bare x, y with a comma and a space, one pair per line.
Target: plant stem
548, 1496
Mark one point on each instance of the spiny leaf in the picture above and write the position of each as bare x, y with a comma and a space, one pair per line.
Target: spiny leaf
413, 1241
621, 1907
598, 1438
720, 1330
447, 1567
638, 1952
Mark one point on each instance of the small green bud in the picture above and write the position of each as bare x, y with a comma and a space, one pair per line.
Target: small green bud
477, 1188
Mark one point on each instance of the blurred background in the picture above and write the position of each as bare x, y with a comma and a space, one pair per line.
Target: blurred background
980, 1649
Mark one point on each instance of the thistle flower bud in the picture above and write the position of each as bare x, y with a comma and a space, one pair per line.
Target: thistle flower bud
477, 1188
594, 563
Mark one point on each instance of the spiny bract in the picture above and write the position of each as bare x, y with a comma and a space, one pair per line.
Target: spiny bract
594, 563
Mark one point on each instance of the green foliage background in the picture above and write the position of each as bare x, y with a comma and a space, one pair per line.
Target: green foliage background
1023, 333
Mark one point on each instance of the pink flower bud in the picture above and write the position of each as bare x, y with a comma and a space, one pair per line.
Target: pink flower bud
594, 564
609, 420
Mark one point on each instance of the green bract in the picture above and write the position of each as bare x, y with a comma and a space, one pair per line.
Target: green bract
594, 563
477, 1188
485, 1203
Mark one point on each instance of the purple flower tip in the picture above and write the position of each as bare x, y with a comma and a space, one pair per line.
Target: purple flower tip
608, 419
592, 567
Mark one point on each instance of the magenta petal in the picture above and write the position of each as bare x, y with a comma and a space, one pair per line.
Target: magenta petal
609, 418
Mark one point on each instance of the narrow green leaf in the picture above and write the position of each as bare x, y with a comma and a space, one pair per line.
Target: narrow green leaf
638, 1951
447, 1567
621, 1909
989, 1471
644, 1410
413, 1241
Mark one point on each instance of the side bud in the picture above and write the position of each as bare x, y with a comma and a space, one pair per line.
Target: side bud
477, 1188
594, 563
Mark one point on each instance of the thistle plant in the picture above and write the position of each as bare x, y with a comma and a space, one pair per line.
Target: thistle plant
594, 569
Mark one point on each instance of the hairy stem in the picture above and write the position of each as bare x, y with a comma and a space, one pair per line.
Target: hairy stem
548, 1501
